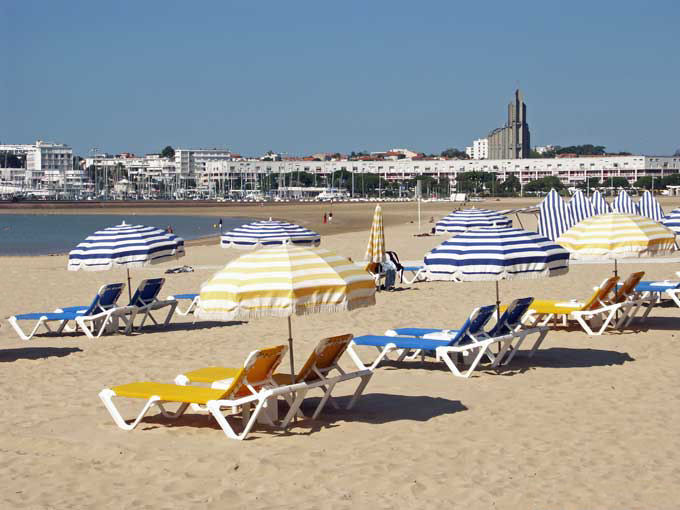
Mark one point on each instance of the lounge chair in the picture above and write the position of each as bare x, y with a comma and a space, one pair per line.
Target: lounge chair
193, 298
376, 272
415, 271
315, 373
509, 323
250, 385
651, 293
542, 311
102, 314
629, 299
145, 299
469, 339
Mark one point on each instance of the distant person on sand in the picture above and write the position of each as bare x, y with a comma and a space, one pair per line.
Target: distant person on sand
330, 217
169, 229
324, 218
220, 224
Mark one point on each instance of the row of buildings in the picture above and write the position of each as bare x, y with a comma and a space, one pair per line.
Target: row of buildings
52, 168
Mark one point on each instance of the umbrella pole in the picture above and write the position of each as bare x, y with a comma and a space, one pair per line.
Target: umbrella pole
290, 351
129, 288
498, 308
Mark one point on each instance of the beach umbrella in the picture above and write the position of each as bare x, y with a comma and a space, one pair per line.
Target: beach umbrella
672, 220
554, 217
125, 246
650, 207
615, 236
266, 233
282, 281
496, 253
375, 251
624, 204
600, 205
580, 207
460, 221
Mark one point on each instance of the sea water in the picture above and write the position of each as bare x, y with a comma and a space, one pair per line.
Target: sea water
42, 234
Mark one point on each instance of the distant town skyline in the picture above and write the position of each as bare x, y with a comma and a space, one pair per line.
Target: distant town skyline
308, 77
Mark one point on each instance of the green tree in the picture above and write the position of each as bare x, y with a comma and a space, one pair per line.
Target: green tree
510, 185
669, 180
454, 154
619, 182
589, 182
545, 184
476, 182
168, 152
646, 183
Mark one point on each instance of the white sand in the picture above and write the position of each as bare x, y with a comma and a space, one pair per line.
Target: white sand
586, 423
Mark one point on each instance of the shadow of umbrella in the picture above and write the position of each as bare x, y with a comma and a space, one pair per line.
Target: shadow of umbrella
33, 353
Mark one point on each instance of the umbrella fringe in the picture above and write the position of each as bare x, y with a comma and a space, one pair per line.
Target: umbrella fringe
486, 277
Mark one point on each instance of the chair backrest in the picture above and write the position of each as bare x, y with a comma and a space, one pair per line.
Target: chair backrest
106, 298
601, 293
474, 325
628, 287
395, 260
258, 369
147, 291
511, 318
324, 357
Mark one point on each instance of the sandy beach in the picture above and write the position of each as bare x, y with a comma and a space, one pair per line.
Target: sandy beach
589, 422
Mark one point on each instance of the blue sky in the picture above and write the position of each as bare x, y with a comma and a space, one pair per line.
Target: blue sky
309, 76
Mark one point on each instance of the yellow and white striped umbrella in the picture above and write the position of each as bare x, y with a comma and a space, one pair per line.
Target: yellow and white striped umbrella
375, 251
616, 236
282, 281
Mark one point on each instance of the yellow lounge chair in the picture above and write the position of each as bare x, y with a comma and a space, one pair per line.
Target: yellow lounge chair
314, 374
251, 384
598, 305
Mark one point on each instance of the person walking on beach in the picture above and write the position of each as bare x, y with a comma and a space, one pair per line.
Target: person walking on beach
169, 229
324, 218
220, 224
330, 217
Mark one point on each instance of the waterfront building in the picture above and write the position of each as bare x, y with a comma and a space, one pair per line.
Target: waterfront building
513, 140
479, 149
47, 166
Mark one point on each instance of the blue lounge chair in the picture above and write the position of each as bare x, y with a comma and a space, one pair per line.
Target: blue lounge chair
509, 323
102, 314
145, 299
182, 297
470, 338
651, 293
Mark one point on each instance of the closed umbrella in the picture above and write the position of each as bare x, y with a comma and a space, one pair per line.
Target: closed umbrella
493, 254
615, 236
375, 251
268, 232
125, 246
283, 281
465, 219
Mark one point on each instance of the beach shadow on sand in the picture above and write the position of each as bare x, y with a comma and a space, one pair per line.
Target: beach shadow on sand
188, 326
10, 355
555, 357
373, 408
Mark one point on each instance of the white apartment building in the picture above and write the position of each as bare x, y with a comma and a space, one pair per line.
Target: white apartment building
190, 162
48, 165
479, 149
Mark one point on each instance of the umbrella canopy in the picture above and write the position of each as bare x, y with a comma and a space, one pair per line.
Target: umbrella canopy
268, 232
554, 217
375, 251
600, 205
460, 221
496, 254
650, 207
580, 207
672, 220
624, 204
283, 281
125, 246
616, 235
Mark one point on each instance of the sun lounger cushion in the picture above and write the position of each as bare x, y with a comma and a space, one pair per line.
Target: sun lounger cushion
418, 332
401, 342
212, 374
656, 286
53, 316
185, 296
169, 392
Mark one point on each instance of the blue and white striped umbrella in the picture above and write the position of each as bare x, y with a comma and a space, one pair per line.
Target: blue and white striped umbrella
554, 217
125, 246
600, 205
460, 221
485, 254
624, 204
580, 208
672, 220
268, 232
649, 206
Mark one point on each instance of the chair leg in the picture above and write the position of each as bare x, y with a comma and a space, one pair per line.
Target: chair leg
360, 365
106, 397
365, 379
